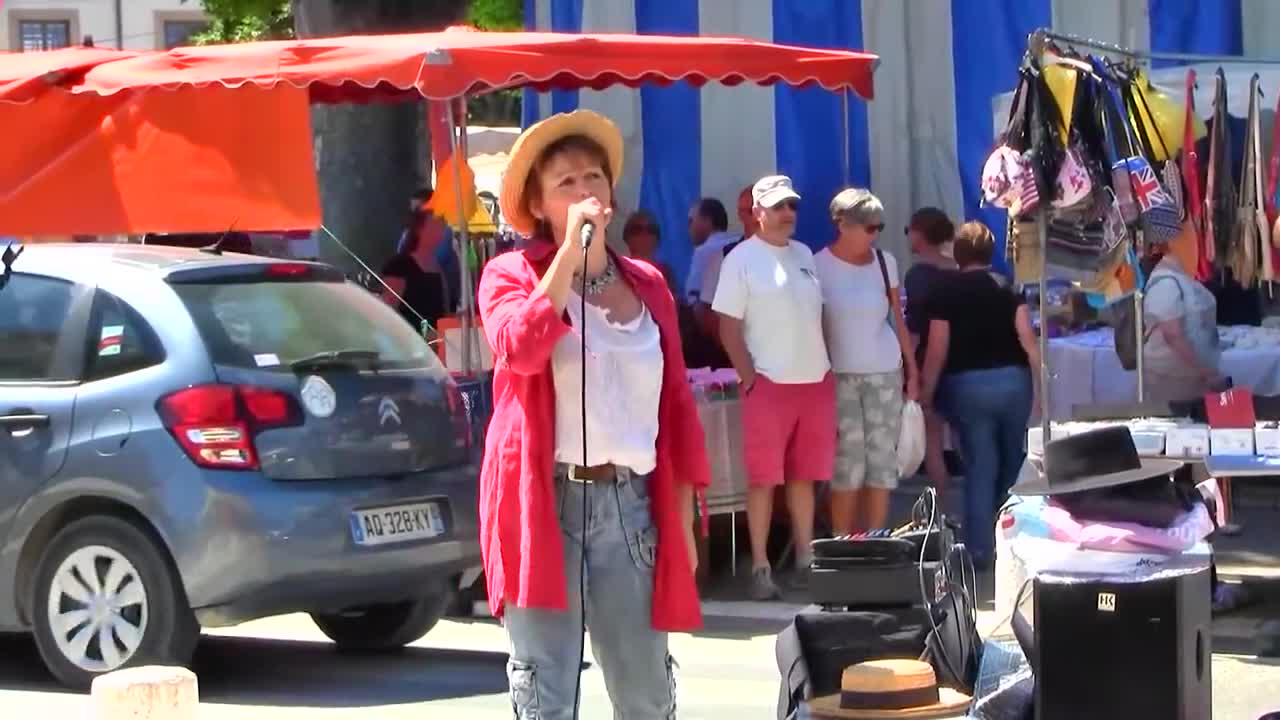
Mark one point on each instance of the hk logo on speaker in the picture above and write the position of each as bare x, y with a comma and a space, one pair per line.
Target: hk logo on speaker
1106, 602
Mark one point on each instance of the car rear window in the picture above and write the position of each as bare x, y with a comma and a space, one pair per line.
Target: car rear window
270, 325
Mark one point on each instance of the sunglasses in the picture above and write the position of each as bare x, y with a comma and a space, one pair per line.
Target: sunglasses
791, 205
874, 228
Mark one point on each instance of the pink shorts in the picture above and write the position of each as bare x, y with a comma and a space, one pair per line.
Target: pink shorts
789, 432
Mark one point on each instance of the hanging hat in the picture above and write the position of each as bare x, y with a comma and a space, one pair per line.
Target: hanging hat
1090, 460
890, 690
529, 146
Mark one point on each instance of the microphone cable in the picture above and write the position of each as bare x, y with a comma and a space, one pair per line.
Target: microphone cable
586, 494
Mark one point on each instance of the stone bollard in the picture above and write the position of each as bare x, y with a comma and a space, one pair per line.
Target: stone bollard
146, 693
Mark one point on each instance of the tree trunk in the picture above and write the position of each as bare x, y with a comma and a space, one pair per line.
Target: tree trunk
370, 158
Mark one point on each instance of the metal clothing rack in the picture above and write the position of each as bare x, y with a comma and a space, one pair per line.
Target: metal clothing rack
1038, 43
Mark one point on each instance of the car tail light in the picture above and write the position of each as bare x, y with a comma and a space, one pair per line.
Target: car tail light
215, 424
288, 269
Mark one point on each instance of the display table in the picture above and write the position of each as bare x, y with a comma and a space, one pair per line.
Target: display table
1085, 370
727, 494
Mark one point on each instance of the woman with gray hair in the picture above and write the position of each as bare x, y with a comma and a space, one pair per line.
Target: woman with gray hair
871, 354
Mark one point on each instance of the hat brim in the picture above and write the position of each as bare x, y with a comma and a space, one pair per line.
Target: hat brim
1032, 482
772, 198
949, 703
529, 146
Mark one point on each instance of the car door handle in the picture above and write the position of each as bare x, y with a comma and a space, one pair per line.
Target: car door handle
24, 423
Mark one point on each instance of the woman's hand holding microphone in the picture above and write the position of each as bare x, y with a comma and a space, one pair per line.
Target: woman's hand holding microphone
590, 210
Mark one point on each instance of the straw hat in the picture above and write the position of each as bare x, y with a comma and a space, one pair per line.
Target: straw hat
529, 146
890, 690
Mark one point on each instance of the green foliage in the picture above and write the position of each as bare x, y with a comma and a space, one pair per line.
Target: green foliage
497, 14
245, 21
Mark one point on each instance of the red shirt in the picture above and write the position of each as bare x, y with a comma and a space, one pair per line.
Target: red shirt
520, 536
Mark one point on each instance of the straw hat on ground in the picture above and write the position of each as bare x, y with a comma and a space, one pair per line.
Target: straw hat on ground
529, 146
890, 690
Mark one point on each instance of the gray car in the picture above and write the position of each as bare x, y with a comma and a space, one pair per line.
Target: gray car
195, 439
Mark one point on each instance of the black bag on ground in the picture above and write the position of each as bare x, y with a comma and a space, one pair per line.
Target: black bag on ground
816, 648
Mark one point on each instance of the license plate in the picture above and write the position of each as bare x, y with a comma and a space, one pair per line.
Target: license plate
398, 523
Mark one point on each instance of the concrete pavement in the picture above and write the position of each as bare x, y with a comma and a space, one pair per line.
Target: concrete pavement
283, 669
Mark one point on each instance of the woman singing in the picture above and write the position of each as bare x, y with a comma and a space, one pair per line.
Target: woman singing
645, 454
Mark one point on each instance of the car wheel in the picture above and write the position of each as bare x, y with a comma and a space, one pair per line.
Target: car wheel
105, 598
379, 628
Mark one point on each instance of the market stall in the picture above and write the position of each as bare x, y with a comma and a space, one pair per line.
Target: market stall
1130, 144
443, 68
1086, 370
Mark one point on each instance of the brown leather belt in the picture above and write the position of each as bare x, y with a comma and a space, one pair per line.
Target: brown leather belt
592, 474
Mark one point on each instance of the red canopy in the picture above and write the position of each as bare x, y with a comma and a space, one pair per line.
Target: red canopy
23, 75
461, 61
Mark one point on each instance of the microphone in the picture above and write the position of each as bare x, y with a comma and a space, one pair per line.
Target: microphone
586, 234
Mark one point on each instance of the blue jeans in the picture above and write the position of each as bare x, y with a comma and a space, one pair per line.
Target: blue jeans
989, 411
621, 551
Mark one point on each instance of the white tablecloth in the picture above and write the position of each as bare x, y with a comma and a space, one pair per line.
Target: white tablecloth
722, 424
1084, 369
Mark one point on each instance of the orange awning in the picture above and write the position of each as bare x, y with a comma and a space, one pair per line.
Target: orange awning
229, 142
24, 75
193, 160
460, 61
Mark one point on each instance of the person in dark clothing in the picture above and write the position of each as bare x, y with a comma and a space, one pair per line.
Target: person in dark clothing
414, 273
977, 372
929, 232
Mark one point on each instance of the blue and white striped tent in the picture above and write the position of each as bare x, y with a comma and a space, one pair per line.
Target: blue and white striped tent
924, 138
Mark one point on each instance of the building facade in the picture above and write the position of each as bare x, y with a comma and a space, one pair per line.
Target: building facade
32, 25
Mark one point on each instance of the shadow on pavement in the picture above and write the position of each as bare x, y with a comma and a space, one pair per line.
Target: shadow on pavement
291, 673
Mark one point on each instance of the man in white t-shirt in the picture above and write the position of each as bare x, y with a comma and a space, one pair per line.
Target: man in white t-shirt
770, 308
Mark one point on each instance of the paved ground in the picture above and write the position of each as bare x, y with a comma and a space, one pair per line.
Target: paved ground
282, 668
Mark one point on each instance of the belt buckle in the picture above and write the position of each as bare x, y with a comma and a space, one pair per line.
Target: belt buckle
573, 475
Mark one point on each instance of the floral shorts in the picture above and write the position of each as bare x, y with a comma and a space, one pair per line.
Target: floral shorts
869, 408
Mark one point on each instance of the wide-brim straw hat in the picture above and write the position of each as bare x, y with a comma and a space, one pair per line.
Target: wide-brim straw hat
890, 680
529, 147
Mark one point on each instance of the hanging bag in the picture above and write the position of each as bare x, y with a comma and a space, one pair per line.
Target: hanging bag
1170, 177
1156, 213
1004, 176
1264, 258
1220, 194
1193, 198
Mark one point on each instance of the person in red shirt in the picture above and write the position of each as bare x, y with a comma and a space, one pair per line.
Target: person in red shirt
630, 501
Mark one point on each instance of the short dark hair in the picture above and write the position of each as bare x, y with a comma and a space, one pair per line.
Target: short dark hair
934, 225
713, 210
974, 244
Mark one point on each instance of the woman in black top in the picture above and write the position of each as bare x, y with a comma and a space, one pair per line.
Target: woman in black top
929, 232
414, 274
977, 372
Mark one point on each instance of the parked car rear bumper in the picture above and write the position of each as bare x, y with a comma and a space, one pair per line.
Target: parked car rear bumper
257, 547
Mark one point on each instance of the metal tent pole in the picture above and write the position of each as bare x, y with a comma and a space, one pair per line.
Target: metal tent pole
845, 144
460, 156
1046, 394
1140, 333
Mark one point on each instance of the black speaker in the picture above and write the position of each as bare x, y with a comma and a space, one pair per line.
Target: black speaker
1116, 651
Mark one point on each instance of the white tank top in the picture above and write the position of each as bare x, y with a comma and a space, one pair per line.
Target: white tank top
624, 381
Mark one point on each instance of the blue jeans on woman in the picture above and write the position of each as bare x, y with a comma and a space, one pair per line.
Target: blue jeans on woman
622, 543
988, 411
